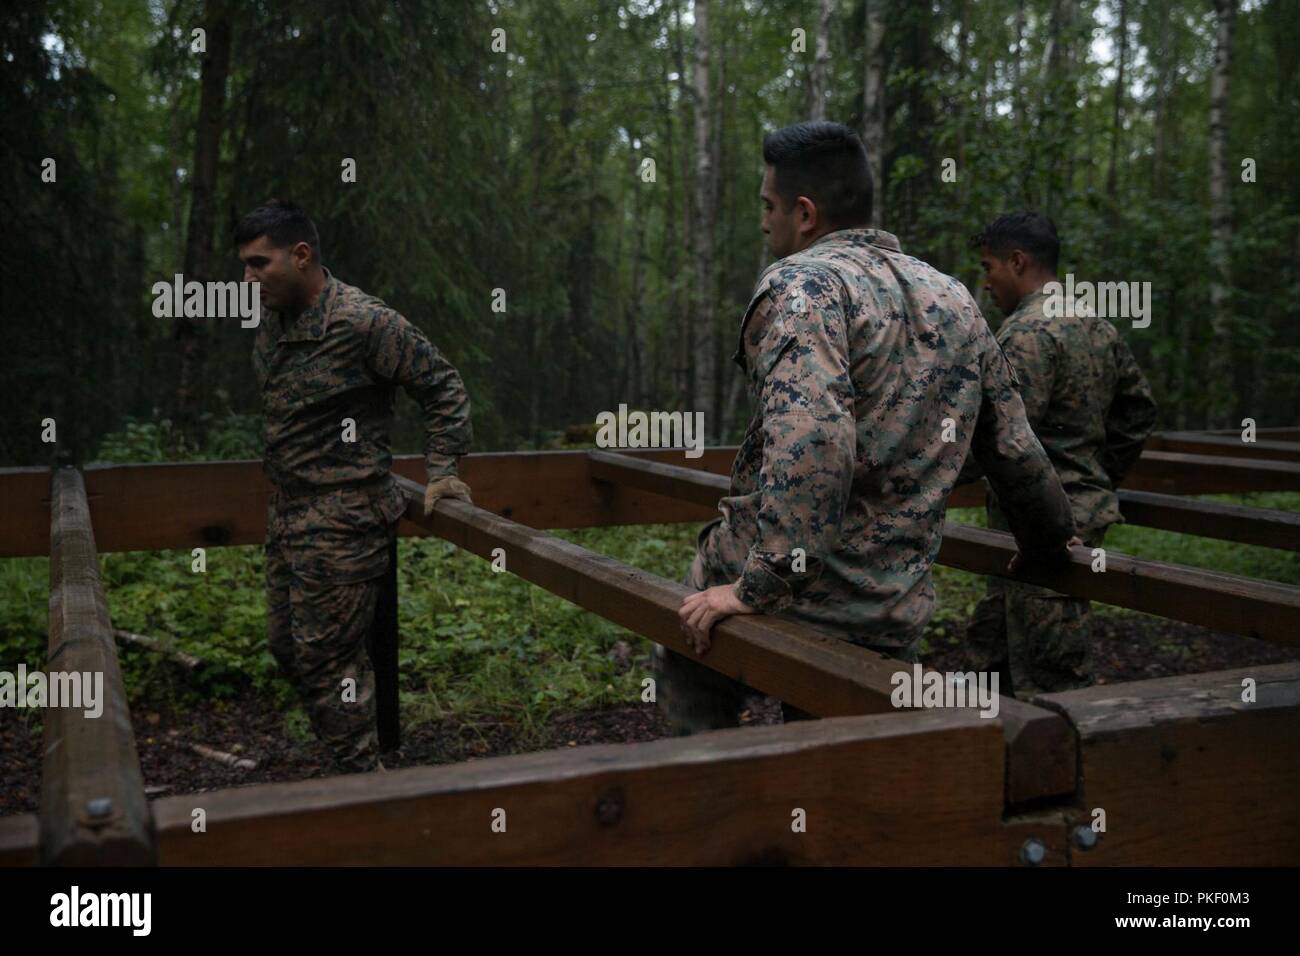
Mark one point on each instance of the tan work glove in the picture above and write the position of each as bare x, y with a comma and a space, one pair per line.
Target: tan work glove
448, 486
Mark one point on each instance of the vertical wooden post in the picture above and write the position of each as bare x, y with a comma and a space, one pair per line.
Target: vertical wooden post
93, 808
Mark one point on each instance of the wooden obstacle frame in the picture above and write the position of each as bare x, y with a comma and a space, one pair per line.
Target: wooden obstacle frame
1200, 769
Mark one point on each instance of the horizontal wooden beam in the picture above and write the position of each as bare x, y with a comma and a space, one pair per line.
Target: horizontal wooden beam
1225, 602
1203, 519
188, 505
19, 840
1187, 772
920, 789
815, 672
93, 809
1199, 443
1272, 433
1176, 473
1212, 519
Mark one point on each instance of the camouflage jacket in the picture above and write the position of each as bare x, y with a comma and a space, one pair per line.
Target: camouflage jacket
342, 359
1087, 401
872, 376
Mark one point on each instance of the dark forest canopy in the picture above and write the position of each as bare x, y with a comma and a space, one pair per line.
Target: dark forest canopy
524, 169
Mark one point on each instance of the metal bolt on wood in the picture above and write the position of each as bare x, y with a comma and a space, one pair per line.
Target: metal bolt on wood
1085, 838
1033, 852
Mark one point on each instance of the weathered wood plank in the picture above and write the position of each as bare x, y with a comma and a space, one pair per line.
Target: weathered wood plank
188, 505
919, 789
1223, 601
93, 809
19, 836
1204, 519
798, 664
1272, 433
204, 504
1189, 774
1199, 443
1212, 519
1176, 473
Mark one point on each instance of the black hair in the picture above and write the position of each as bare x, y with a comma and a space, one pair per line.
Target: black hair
825, 162
1026, 230
280, 221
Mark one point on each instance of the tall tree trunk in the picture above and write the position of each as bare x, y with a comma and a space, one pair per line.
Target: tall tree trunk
1117, 121
873, 107
1058, 110
1220, 358
1017, 99
219, 23
686, 319
704, 215
1167, 77
635, 383
963, 97
671, 250
818, 81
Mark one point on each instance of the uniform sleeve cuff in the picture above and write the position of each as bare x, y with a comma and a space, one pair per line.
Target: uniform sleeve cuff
440, 466
762, 588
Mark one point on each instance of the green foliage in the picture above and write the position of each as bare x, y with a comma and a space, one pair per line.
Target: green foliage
227, 435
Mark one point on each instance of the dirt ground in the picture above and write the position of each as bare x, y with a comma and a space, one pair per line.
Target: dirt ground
1127, 647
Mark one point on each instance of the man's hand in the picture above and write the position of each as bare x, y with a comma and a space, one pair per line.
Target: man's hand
1017, 559
448, 486
701, 610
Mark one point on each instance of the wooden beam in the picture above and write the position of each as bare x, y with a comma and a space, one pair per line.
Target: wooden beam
1176, 473
1225, 602
19, 839
918, 789
208, 504
1202, 444
93, 809
1273, 433
1212, 519
790, 660
188, 505
1188, 773
1222, 602
1204, 519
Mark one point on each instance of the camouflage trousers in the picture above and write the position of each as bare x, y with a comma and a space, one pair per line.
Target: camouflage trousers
695, 697
322, 621
1039, 640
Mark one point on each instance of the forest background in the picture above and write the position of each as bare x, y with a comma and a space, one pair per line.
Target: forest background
504, 146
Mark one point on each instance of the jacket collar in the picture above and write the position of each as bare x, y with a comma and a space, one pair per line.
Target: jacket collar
313, 322
876, 237
1029, 302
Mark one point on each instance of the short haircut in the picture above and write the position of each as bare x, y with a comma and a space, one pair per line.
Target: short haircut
281, 222
825, 162
1026, 230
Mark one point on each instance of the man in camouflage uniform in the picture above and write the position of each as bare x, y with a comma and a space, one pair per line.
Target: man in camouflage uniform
872, 375
328, 358
1092, 409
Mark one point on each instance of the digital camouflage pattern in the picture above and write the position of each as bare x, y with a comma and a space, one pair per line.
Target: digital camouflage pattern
317, 632
1039, 640
334, 509
1092, 409
872, 375
343, 358
1086, 399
